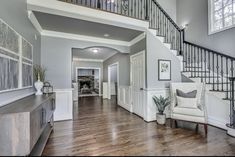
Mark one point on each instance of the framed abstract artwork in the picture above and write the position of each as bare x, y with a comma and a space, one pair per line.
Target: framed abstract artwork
16, 60
164, 70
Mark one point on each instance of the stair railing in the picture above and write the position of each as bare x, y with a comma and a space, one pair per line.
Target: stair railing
232, 104
165, 26
132, 8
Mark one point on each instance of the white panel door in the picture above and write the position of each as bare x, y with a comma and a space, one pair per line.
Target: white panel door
138, 83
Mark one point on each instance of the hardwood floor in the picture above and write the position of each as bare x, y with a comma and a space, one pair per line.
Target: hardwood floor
101, 128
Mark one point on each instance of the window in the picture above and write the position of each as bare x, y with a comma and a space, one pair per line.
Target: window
221, 15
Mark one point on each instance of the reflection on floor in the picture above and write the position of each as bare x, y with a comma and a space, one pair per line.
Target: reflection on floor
100, 127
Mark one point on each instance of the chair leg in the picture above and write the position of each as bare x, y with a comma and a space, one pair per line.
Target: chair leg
176, 125
206, 128
197, 127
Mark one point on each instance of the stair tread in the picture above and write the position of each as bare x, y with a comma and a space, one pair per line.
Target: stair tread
220, 91
218, 83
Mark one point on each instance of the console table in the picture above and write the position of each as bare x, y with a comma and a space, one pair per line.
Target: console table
25, 125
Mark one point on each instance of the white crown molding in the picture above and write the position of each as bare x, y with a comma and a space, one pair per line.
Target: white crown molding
83, 38
79, 12
88, 60
34, 21
137, 39
43, 32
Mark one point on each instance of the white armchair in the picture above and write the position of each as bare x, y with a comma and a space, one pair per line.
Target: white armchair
191, 114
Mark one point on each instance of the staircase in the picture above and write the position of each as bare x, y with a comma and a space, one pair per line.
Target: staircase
200, 64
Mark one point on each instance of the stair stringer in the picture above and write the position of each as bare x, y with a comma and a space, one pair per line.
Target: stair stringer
168, 46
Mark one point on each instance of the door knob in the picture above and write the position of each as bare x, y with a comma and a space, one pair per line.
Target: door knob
141, 88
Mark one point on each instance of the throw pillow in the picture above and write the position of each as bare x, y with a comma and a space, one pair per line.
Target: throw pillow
187, 102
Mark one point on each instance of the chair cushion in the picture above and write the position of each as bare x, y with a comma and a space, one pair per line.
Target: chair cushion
192, 94
188, 111
187, 102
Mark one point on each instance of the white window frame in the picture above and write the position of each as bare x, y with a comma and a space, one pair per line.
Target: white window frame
211, 21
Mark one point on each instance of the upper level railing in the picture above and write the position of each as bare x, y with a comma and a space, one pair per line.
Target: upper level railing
210, 66
132, 8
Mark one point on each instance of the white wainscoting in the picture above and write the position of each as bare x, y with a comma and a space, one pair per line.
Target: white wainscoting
113, 88
64, 105
150, 108
124, 97
218, 111
105, 90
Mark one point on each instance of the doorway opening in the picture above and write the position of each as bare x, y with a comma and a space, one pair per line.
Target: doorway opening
113, 80
88, 81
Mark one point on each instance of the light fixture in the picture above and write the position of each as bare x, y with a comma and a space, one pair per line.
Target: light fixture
106, 35
185, 26
95, 51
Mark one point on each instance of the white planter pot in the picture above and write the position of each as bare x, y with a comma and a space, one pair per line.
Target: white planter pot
161, 119
38, 85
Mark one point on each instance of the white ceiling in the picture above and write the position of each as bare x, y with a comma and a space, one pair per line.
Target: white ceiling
75, 26
103, 53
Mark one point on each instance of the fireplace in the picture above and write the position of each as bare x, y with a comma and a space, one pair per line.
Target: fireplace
86, 84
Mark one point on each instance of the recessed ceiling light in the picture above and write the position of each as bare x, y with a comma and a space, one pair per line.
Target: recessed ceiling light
95, 51
106, 35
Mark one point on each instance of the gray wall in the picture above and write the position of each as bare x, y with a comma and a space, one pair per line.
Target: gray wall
169, 6
138, 47
195, 13
114, 74
124, 68
156, 50
124, 63
57, 58
14, 13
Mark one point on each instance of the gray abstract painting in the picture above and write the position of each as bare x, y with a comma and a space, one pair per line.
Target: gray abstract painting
10, 59
27, 75
27, 49
9, 39
9, 74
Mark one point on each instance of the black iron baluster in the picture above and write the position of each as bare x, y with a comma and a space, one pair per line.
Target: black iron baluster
205, 65
222, 73
147, 9
227, 79
209, 66
198, 62
191, 58
213, 71
232, 68
217, 58
201, 65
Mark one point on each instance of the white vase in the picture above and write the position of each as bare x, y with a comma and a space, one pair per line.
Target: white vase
161, 119
38, 85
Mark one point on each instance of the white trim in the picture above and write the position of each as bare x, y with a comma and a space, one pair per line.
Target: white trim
88, 60
84, 13
83, 38
9, 57
210, 20
109, 78
137, 39
34, 21
96, 68
15, 99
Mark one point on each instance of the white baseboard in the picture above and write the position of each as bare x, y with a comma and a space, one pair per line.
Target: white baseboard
217, 123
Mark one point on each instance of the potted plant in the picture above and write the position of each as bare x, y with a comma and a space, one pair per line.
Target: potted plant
39, 75
161, 104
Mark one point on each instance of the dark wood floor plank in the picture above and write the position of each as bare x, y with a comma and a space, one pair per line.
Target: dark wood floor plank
101, 128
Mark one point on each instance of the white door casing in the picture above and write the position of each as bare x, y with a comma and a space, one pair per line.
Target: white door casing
138, 82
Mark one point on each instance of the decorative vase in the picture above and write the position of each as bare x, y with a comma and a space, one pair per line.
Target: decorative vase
161, 119
38, 85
